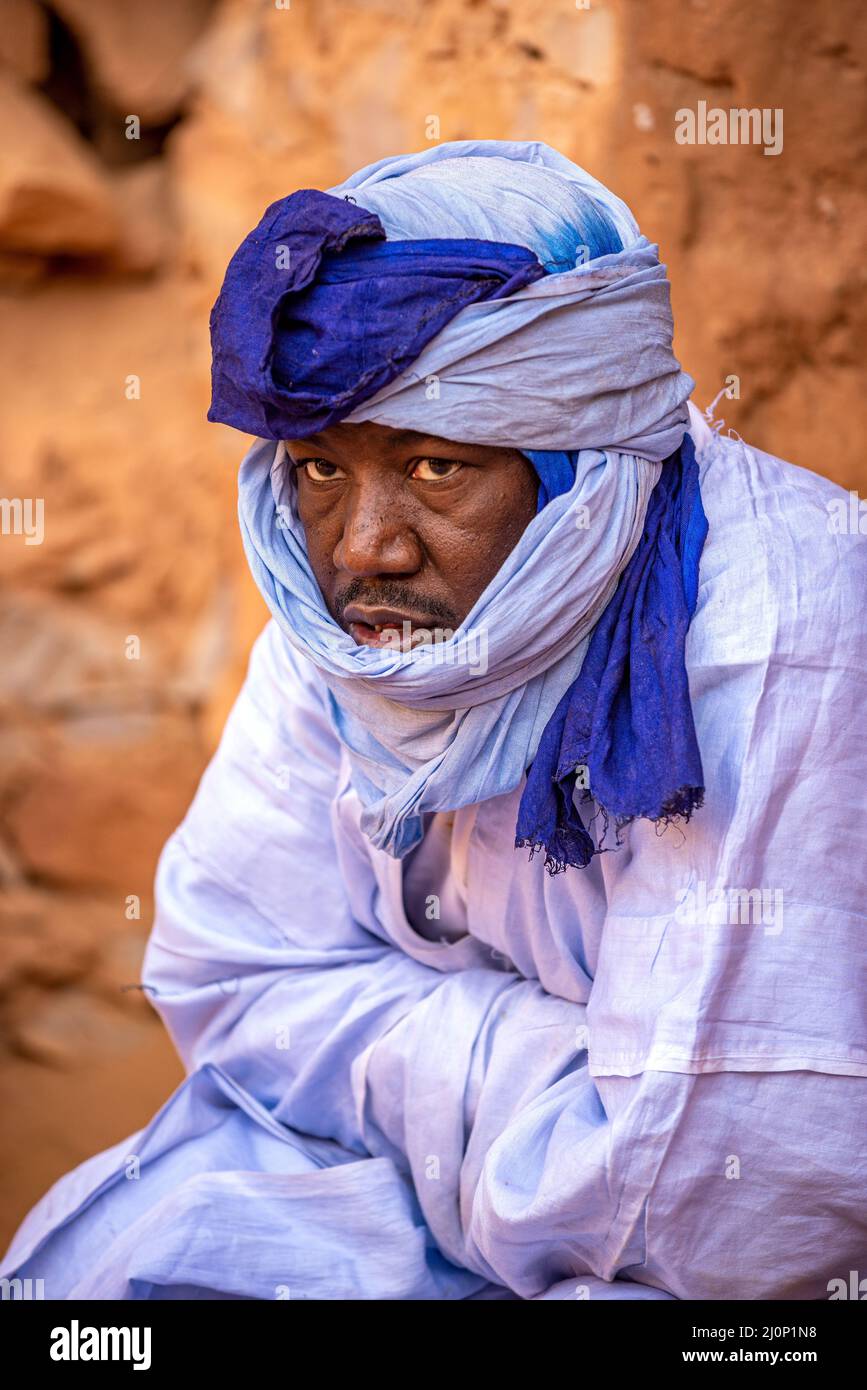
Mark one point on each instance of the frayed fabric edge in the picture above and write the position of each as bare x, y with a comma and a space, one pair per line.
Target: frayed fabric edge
676, 811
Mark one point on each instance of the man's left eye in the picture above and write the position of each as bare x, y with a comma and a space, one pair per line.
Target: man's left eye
436, 469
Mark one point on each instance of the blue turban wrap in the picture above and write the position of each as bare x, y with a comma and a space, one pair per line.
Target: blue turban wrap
548, 330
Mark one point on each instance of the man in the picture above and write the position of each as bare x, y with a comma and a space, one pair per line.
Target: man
513, 941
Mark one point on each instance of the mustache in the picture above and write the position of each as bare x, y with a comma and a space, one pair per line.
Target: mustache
390, 593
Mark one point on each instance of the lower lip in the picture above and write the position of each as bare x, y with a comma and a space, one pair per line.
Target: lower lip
369, 637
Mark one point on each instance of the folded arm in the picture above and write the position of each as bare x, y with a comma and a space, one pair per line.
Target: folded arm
528, 1170
255, 961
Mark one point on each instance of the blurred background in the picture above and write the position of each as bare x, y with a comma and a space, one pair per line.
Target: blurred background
140, 143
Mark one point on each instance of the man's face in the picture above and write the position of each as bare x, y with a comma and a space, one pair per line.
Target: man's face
405, 530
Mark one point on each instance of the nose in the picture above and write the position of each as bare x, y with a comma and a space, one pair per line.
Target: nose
377, 536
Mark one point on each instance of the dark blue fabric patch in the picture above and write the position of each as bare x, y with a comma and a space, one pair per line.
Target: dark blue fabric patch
556, 470
318, 311
626, 721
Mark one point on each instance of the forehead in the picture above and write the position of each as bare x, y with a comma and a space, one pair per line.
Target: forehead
382, 441
367, 433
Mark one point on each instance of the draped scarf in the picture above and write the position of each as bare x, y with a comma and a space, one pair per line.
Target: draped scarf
487, 292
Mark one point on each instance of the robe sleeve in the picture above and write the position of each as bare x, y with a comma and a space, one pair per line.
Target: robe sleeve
255, 961
730, 1185
257, 964
712, 1145
529, 1171
720, 1185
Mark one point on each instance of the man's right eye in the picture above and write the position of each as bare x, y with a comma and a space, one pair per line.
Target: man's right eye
319, 470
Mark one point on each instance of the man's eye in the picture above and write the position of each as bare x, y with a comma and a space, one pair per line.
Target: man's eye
319, 470
435, 469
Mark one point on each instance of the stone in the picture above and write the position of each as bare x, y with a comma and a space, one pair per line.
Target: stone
45, 939
148, 231
54, 198
107, 792
69, 1027
137, 54
21, 270
69, 660
24, 39
106, 795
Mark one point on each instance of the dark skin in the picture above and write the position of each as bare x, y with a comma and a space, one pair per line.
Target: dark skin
407, 528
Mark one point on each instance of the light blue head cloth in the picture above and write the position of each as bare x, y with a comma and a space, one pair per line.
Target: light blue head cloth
565, 221
580, 359
577, 371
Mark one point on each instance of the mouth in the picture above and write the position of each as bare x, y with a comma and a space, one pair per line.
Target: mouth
386, 627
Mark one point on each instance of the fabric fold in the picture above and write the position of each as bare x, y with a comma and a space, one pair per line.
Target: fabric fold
623, 736
317, 312
450, 724
538, 320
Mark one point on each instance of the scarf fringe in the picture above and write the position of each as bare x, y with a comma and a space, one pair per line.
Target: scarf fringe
573, 847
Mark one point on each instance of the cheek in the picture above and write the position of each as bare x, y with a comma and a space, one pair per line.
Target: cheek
507, 514
501, 535
468, 557
321, 534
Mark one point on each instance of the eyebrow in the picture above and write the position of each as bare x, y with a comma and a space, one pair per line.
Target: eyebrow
397, 437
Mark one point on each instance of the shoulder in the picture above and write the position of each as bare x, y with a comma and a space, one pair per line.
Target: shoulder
282, 714
277, 672
784, 566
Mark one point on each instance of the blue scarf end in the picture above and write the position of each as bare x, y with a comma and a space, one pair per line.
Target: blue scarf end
623, 735
569, 844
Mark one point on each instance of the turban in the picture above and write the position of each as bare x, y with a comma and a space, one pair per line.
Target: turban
488, 292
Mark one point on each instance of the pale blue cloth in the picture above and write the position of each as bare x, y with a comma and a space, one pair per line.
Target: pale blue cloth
450, 724
582, 358
600, 1088
595, 1090
585, 357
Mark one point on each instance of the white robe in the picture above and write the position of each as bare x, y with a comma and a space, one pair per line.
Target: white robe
629, 1081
